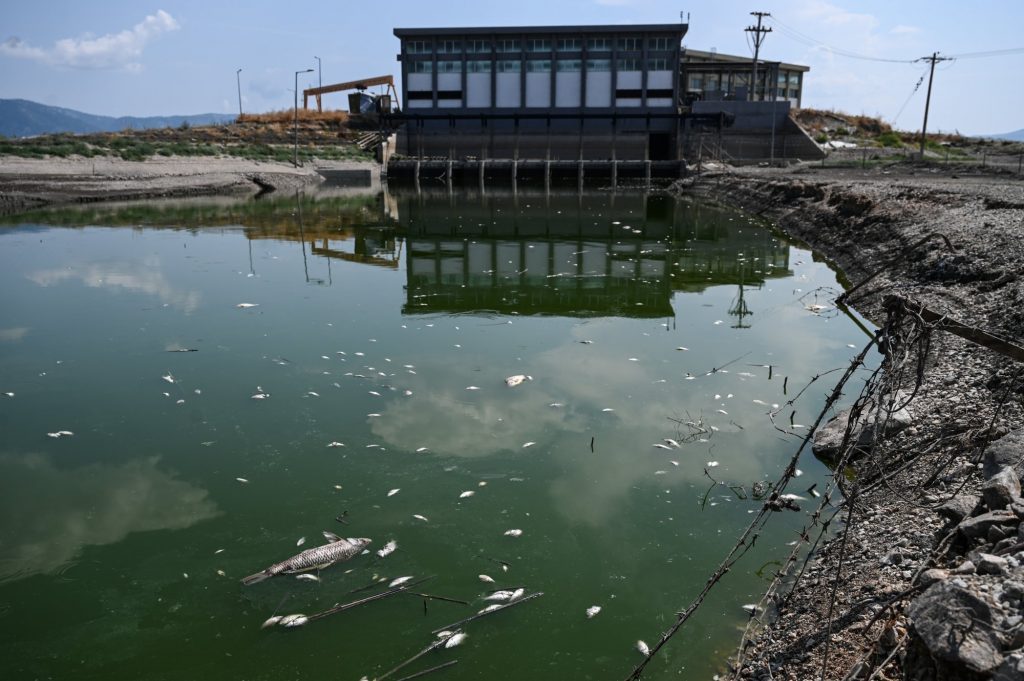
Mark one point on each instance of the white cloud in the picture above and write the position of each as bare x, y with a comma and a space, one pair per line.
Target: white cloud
904, 30
111, 51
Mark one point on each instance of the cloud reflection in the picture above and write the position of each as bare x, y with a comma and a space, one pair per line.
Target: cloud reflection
13, 334
137, 277
49, 514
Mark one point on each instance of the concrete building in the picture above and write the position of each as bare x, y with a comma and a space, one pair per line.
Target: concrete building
542, 92
712, 76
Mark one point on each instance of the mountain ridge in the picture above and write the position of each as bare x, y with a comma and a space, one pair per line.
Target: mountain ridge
25, 118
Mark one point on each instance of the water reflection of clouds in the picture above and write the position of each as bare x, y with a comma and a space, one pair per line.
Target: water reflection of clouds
138, 277
49, 514
14, 334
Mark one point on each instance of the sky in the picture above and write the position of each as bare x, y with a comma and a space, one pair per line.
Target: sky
164, 57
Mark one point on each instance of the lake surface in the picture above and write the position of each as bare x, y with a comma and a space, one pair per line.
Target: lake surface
386, 325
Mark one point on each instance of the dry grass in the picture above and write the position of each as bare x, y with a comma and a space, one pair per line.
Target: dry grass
288, 115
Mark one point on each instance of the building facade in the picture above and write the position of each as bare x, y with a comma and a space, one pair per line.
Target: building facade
713, 76
558, 92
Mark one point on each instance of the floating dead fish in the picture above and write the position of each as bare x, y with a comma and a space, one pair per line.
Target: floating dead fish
792, 497
722, 411
261, 396
502, 595
607, 409
468, 493
394, 491
375, 393
486, 578
8, 394
556, 405
490, 608
592, 611
293, 620
642, 647
752, 609
306, 577
335, 444
169, 378
455, 640
302, 540
817, 308
242, 480
313, 394
271, 621
513, 533
388, 549
660, 446
513, 381
712, 464
420, 450
399, 581
424, 518
60, 433
472, 387
682, 349
246, 306
319, 557
586, 342
672, 442
221, 573
528, 444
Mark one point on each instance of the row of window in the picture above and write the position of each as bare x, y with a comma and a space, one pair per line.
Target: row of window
714, 81
536, 65
535, 45
442, 95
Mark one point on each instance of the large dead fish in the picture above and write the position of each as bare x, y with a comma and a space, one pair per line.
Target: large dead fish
337, 551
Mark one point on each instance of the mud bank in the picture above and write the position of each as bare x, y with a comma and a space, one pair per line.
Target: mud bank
927, 564
28, 183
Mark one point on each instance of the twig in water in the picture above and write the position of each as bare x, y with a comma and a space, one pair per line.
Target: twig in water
438, 598
361, 601
433, 646
428, 671
489, 612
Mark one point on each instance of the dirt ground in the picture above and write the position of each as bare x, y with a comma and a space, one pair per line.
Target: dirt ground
893, 541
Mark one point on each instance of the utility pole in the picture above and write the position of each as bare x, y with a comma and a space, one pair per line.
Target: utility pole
238, 79
759, 34
295, 152
319, 72
928, 100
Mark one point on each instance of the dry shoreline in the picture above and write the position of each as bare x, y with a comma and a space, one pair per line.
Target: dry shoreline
903, 591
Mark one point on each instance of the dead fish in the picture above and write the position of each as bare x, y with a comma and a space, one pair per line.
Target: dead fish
672, 443
388, 549
399, 581
528, 444
592, 611
169, 378
394, 491
242, 480
261, 396
455, 640
642, 647
271, 621
302, 540
486, 578
337, 551
518, 593
8, 394
307, 577
313, 394
420, 450
417, 516
375, 393
490, 608
751, 608
607, 409
246, 306
513, 381
503, 595
660, 446
60, 433
468, 493
335, 444
712, 464
296, 620
513, 533
472, 387
817, 308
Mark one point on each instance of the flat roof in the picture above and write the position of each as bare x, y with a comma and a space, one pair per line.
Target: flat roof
517, 30
701, 57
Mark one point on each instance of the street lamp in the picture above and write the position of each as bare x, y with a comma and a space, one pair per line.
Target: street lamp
319, 72
239, 79
295, 152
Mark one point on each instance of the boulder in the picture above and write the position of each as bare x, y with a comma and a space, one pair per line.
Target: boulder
1012, 669
1002, 489
956, 626
1006, 452
989, 564
828, 440
978, 526
959, 507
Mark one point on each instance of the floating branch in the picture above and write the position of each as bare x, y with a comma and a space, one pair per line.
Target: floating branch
489, 612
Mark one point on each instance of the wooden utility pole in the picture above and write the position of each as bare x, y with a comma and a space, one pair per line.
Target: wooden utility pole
928, 99
759, 34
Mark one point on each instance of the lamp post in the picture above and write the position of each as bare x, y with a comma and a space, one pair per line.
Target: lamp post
295, 152
319, 71
238, 78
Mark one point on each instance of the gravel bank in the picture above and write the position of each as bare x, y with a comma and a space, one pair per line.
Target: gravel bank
932, 554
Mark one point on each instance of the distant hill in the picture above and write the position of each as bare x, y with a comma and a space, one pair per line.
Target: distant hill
22, 118
1015, 136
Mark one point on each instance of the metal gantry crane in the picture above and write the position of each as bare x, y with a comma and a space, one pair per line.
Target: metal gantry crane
361, 84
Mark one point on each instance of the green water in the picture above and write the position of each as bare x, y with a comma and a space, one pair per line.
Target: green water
122, 545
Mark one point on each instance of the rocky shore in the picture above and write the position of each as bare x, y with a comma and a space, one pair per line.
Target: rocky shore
927, 566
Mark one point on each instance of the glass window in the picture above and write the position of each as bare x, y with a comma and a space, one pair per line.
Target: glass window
509, 66
599, 65
421, 67
478, 46
569, 65
449, 46
658, 64
478, 66
659, 44
794, 79
417, 47
598, 44
628, 65
569, 44
538, 45
449, 66
794, 94
538, 65
507, 45
697, 82
630, 44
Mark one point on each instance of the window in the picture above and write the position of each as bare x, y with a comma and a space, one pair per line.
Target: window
538, 65
449, 67
421, 67
507, 45
628, 65
449, 46
449, 94
659, 44
538, 45
794, 94
598, 44
568, 65
478, 67
509, 66
417, 47
599, 65
569, 44
660, 94
627, 94
478, 46
630, 44
794, 80
419, 95
697, 82
658, 64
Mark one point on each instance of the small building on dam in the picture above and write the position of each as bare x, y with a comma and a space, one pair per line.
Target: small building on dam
561, 93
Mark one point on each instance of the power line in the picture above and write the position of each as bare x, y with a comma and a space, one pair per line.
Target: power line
928, 100
909, 97
758, 34
991, 53
799, 37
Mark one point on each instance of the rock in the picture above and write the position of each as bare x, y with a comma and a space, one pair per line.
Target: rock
959, 507
989, 564
1002, 489
965, 568
828, 440
1012, 669
929, 577
956, 626
1006, 452
978, 526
